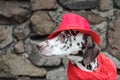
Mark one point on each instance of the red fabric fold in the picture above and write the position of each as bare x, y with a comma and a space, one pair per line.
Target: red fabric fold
106, 71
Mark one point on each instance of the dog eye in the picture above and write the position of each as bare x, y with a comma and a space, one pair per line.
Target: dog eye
62, 36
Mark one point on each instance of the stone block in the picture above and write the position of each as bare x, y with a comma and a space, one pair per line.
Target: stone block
42, 23
79, 4
43, 4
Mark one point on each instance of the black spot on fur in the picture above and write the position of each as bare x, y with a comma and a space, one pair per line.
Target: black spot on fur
82, 63
74, 38
68, 47
78, 44
89, 67
80, 53
73, 33
83, 45
52, 46
85, 38
77, 32
70, 44
63, 36
67, 32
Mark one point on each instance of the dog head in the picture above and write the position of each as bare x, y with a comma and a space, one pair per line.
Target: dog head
70, 43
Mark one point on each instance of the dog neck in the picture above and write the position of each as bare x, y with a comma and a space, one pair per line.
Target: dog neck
89, 68
78, 62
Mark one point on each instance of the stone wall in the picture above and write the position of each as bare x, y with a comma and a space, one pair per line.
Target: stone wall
19, 19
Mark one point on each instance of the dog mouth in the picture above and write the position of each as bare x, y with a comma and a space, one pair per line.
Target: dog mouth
80, 53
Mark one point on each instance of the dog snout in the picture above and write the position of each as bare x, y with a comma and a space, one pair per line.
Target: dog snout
39, 46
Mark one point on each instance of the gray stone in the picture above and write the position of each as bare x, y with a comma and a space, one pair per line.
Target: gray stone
56, 15
13, 11
108, 13
117, 3
79, 4
105, 4
22, 31
7, 49
3, 21
114, 40
19, 47
43, 4
38, 60
101, 31
42, 23
12, 64
114, 59
58, 74
23, 78
28, 46
6, 37
65, 62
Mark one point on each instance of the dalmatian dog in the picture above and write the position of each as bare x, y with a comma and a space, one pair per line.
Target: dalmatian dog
74, 45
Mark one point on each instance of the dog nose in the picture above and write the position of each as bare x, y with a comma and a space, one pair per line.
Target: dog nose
37, 46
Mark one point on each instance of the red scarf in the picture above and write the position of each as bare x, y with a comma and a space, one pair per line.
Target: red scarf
106, 71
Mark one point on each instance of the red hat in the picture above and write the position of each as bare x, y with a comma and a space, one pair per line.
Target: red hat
76, 22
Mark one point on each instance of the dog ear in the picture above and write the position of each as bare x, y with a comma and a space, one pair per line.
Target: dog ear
90, 52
